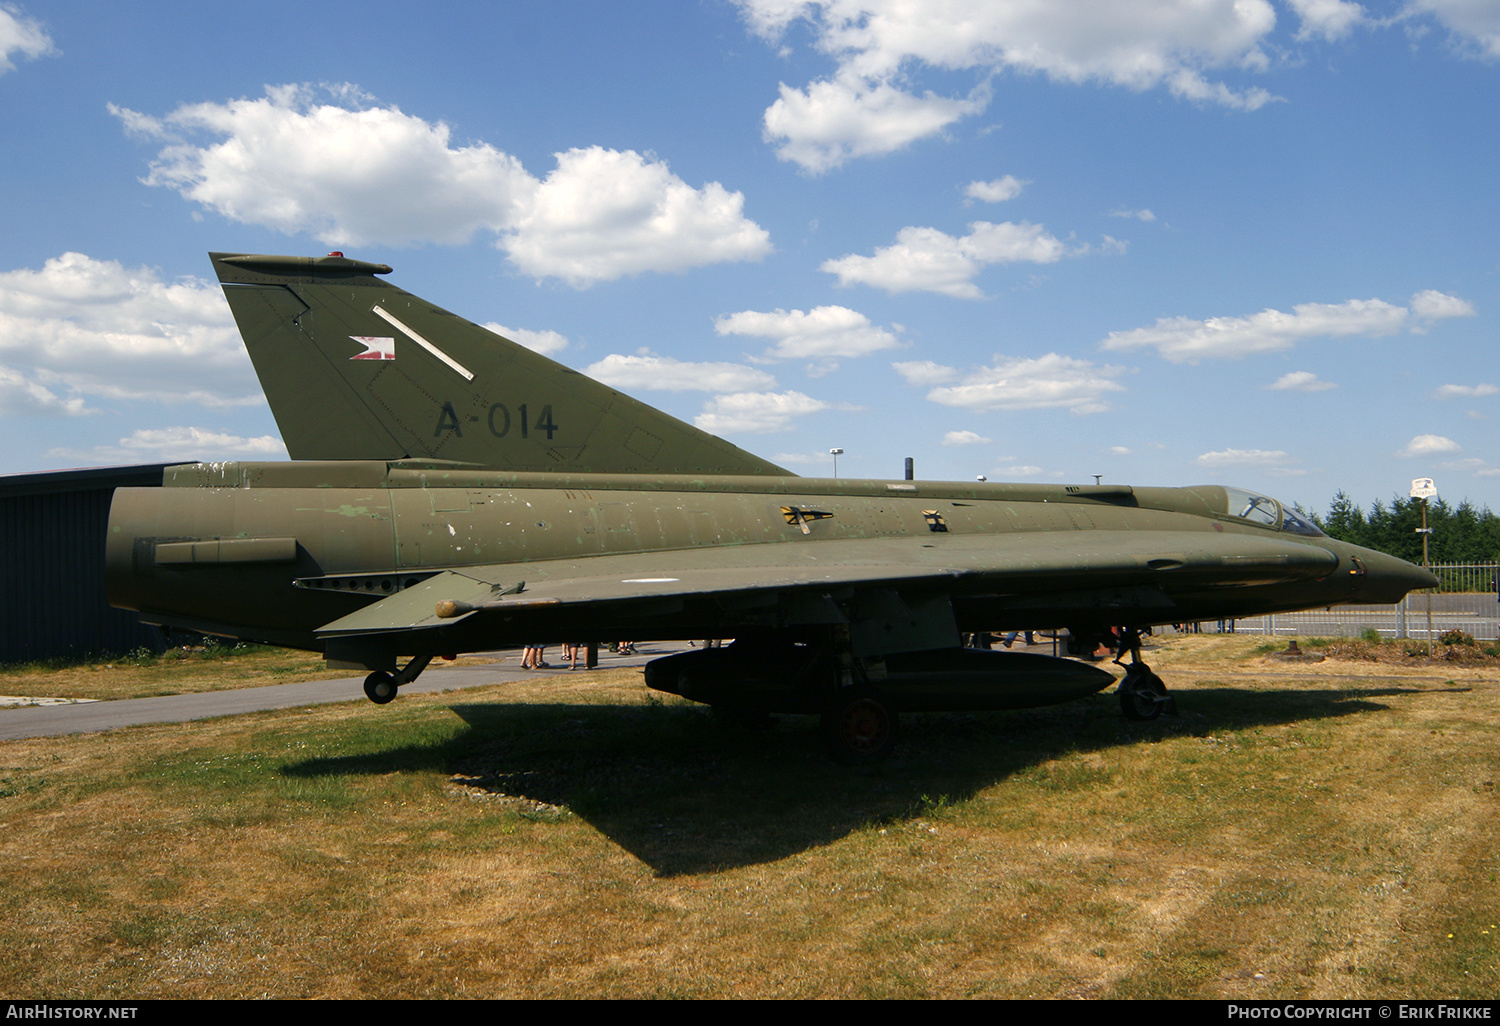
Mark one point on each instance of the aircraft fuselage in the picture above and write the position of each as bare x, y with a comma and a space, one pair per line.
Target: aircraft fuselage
273, 552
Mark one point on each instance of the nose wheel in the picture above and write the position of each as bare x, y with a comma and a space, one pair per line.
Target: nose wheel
381, 686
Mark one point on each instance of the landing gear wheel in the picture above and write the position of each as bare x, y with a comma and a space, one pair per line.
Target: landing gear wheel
859, 728
380, 687
1143, 696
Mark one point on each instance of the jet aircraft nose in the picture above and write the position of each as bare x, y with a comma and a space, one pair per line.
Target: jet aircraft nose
1388, 579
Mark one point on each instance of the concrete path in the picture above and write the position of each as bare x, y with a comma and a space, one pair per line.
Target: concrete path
51, 720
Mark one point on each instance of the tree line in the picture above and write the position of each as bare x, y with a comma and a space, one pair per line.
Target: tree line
1460, 534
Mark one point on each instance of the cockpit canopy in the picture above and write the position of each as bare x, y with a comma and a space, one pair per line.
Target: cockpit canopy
1267, 512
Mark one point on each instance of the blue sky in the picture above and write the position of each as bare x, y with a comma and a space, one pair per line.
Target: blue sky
1162, 242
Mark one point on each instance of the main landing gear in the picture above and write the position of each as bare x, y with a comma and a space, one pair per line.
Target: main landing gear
381, 686
1143, 696
859, 727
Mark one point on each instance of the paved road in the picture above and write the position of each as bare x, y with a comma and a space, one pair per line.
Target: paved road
48, 721
1474, 614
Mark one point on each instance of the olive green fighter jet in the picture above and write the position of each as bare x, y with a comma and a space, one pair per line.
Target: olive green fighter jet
452, 491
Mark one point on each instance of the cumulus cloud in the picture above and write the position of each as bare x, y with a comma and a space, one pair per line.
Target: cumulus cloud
1301, 381
1427, 445
928, 260
544, 342
356, 174
1139, 215
1119, 450
98, 328
1027, 470
603, 214
646, 370
1328, 19
1185, 340
805, 458
1472, 23
1433, 305
1243, 458
20, 396
997, 191
822, 333
755, 412
1046, 382
159, 445
925, 372
825, 124
964, 438
1464, 391
1472, 465
868, 105
21, 35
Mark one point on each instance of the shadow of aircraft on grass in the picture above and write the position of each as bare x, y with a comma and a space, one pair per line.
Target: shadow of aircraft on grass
688, 794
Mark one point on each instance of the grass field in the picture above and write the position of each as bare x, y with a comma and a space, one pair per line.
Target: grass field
1300, 830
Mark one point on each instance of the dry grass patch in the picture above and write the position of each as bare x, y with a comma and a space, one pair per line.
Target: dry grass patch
1307, 837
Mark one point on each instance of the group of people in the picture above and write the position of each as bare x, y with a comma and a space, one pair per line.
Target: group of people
531, 655
987, 639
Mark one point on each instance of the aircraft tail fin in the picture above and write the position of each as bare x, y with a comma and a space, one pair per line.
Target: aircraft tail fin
357, 369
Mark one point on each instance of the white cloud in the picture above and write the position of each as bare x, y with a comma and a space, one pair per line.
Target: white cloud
996, 191
1475, 22
1139, 215
822, 333
1475, 466
1330, 19
1046, 382
152, 445
964, 438
928, 260
21, 35
1119, 450
101, 329
1433, 305
353, 174
804, 458
603, 214
1027, 470
21, 397
867, 106
1184, 340
544, 342
348, 176
646, 370
925, 372
831, 121
1301, 381
1243, 458
1464, 391
1427, 445
755, 412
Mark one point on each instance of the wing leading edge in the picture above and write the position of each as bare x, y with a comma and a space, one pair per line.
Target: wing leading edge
793, 583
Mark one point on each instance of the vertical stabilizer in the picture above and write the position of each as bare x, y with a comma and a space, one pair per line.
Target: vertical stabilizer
357, 369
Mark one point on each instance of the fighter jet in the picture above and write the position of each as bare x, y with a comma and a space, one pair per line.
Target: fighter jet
452, 491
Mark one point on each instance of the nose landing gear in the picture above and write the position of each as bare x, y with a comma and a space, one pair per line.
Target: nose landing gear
381, 686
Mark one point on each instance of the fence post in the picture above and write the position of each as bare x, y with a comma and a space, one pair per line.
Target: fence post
1401, 616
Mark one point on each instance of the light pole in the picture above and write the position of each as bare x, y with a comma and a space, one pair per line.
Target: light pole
835, 453
1423, 488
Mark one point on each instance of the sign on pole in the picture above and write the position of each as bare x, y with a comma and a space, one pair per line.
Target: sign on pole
1423, 488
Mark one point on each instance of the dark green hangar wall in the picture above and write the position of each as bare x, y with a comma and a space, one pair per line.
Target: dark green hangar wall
52, 532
